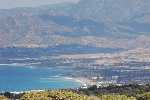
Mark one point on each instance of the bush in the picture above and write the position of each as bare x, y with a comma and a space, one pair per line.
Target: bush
3, 98
53, 95
69, 95
36, 96
145, 96
65, 95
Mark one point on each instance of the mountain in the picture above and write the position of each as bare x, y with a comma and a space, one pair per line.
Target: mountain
124, 17
98, 23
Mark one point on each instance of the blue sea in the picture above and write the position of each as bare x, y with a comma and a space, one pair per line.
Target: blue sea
24, 78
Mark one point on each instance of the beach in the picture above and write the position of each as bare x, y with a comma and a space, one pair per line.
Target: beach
82, 80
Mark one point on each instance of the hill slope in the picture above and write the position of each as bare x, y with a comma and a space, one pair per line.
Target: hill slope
99, 23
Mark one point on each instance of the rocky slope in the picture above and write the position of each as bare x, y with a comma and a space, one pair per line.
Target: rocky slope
99, 23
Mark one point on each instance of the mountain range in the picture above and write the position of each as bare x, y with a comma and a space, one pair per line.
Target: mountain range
97, 23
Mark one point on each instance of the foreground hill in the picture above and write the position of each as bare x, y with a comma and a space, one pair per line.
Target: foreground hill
126, 92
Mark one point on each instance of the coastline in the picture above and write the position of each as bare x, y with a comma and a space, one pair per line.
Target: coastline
82, 80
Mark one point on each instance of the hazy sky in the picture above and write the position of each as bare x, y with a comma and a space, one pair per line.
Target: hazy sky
6, 4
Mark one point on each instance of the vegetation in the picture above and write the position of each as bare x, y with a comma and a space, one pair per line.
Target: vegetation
69, 95
36, 96
145, 96
3, 98
116, 97
54, 95
126, 92
129, 90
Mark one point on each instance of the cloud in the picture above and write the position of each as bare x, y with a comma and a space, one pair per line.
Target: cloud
7, 4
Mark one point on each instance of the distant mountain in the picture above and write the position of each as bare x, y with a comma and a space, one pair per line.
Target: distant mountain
124, 17
99, 23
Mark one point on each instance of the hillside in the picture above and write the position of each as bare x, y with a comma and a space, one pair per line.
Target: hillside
125, 92
98, 23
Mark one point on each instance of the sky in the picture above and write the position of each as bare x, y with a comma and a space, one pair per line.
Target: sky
7, 4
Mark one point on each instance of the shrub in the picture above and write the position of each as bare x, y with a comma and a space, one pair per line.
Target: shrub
116, 97
145, 96
3, 98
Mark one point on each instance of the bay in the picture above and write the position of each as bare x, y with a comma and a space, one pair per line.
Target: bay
23, 78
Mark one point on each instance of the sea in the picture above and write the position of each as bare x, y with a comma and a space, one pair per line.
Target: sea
26, 78
18, 74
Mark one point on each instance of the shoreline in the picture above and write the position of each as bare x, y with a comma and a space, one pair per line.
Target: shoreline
82, 80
